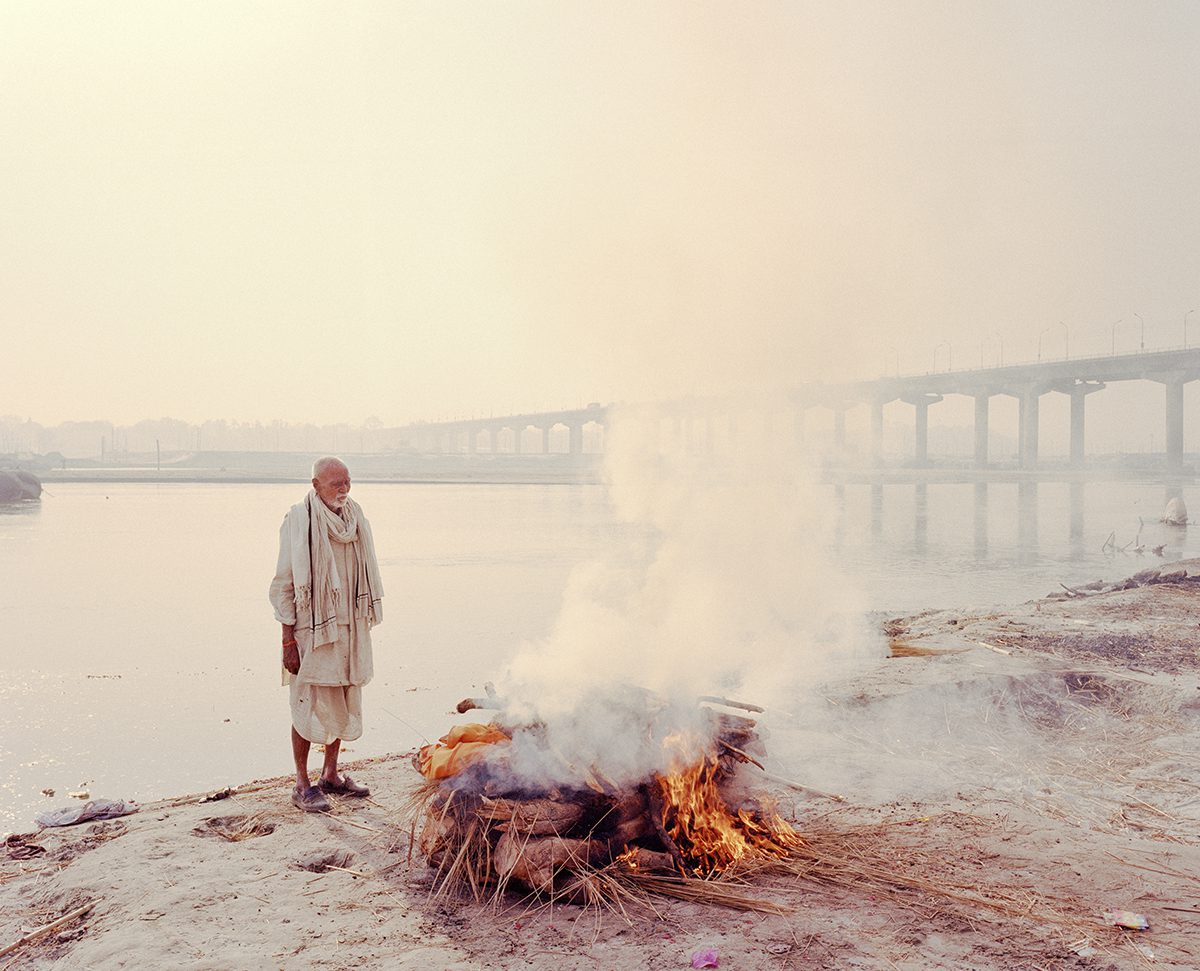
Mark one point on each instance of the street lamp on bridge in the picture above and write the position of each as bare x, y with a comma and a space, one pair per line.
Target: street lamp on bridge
1040, 333
1143, 322
1114, 336
950, 362
1066, 340
1185, 317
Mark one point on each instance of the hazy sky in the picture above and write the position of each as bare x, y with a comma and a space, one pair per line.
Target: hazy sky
329, 211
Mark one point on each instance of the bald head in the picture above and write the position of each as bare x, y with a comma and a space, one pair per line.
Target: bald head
325, 462
331, 481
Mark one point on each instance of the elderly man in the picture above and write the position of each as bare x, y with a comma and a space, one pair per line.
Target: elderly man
327, 595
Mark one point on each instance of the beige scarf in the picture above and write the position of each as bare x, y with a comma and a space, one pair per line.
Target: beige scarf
313, 527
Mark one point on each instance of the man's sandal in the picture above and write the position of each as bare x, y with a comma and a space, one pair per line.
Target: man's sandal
311, 800
345, 786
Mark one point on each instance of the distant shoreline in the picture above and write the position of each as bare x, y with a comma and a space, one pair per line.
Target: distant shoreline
593, 476
206, 477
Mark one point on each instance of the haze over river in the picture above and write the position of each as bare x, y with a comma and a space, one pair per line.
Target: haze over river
140, 657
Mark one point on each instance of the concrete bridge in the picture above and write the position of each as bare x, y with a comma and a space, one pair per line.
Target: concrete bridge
1077, 378
692, 421
468, 435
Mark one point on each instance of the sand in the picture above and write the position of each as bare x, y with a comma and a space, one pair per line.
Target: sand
1048, 758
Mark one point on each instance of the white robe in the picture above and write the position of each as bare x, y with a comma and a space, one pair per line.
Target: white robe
326, 695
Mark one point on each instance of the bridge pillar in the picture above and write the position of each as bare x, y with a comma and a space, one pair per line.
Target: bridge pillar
576, 430
1174, 422
839, 427
921, 449
1079, 393
876, 431
921, 403
1028, 447
1078, 409
517, 440
982, 401
493, 440
472, 442
545, 439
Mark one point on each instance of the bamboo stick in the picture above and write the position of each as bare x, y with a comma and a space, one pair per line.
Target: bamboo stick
46, 929
799, 786
993, 647
730, 703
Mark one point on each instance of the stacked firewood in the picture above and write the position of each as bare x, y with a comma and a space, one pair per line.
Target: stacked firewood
480, 832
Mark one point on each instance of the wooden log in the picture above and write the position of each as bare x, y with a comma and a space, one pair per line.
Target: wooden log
620, 839
535, 817
536, 862
654, 797
630, 804
644, 859
740, 755
734, 724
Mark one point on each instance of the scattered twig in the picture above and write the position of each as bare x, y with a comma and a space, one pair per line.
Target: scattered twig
351, 822
343, 869
47, 928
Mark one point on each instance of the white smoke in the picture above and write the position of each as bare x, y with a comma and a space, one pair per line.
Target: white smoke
725, 587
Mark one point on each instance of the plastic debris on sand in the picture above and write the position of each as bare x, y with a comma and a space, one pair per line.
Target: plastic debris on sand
94, 809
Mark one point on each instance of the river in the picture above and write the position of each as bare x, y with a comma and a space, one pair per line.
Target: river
140, 657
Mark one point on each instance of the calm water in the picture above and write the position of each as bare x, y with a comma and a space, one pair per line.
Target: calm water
140, 657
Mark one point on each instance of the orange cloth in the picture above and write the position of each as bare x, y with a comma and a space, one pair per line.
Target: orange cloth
456, 749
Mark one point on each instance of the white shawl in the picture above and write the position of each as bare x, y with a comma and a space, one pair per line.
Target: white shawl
318, 588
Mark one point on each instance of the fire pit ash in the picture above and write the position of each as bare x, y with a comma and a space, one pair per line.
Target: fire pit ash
625, 787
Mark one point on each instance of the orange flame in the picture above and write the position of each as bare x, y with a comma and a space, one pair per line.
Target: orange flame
710, 837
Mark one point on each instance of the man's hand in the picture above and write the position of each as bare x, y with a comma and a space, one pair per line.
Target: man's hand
291, 652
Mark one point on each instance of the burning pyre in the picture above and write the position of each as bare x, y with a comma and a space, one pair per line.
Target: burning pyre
573, 832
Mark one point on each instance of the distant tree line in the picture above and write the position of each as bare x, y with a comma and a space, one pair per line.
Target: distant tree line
96, 439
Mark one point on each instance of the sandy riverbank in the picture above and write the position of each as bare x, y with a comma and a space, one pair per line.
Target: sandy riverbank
1050, 755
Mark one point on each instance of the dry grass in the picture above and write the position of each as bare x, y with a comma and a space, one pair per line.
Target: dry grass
236, 828
907, 862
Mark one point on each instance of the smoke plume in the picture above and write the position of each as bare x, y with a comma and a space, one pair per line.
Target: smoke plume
722, 586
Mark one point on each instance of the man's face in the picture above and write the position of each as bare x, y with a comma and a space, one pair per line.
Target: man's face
333, 485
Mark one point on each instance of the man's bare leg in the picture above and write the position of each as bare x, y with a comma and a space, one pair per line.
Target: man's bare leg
300, 749
329, 771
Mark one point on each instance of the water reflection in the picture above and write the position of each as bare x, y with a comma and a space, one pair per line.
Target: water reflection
920, 516
839, 505
1024, 522
1076, 534
1027, 521
21, 507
